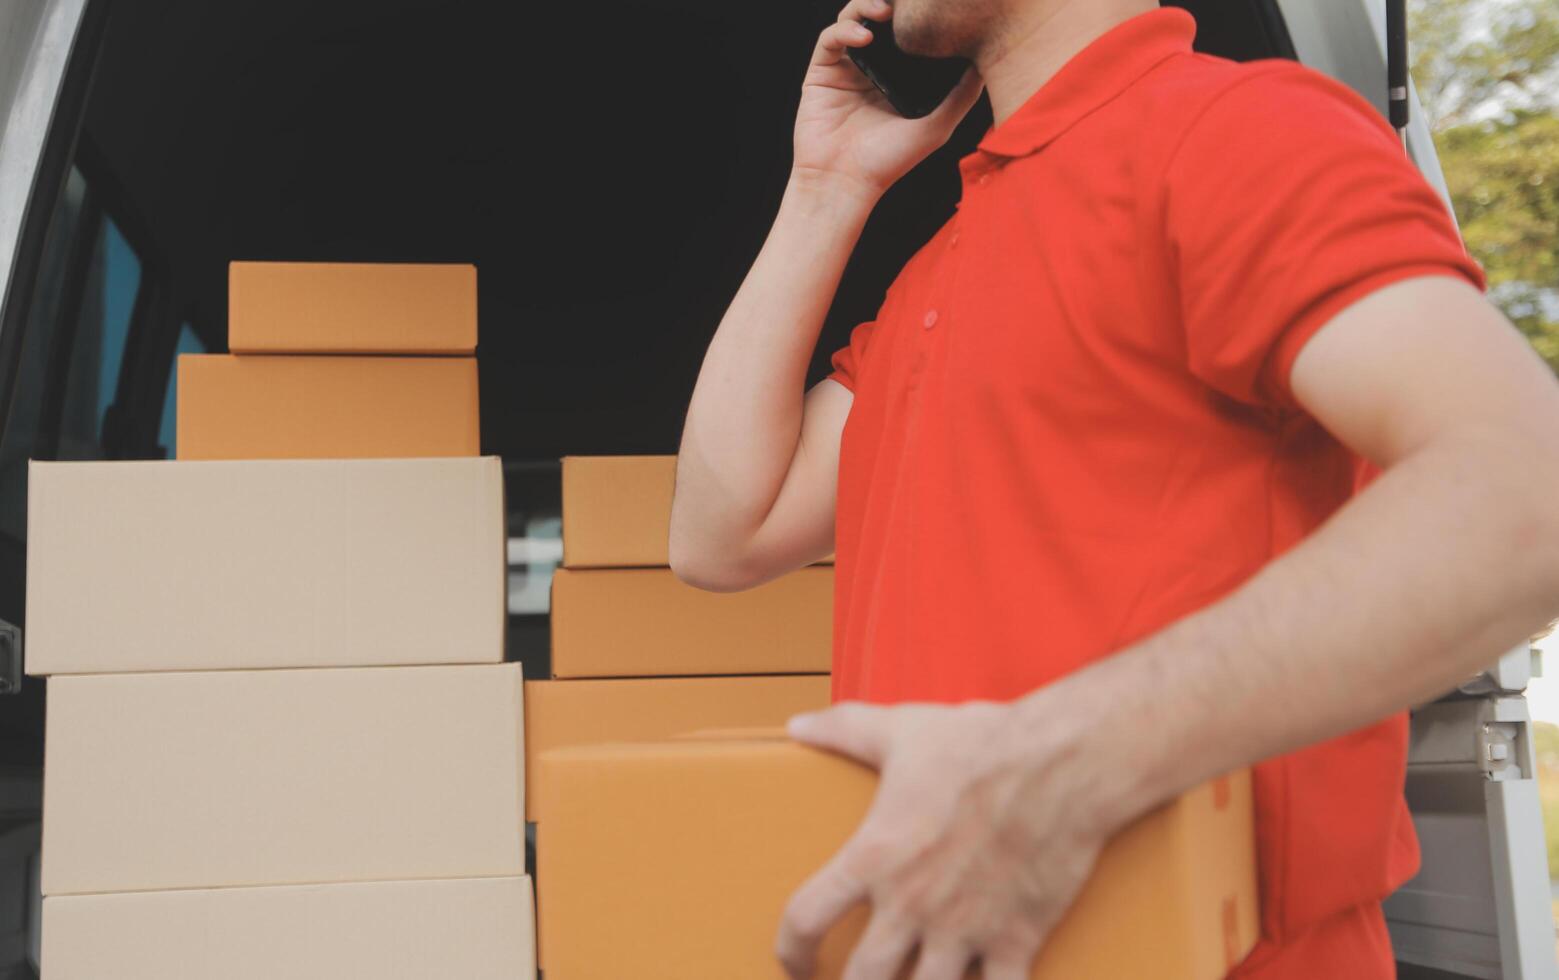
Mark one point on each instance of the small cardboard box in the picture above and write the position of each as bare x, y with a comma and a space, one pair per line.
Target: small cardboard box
280, 563
233, 778
350, 308
617, 511
470, 928
644, 622
691, 848
589, 712
261, 407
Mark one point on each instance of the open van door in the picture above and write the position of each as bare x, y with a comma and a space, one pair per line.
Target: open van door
37, 38
1481, 905
43, 89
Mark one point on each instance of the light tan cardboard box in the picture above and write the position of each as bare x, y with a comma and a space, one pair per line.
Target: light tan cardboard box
470, 928
739, 823
224, 778
617, 511
260, 407
588, 712
351, 308
280, 563
644, 622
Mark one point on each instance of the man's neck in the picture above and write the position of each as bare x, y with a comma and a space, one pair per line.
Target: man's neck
1038, 38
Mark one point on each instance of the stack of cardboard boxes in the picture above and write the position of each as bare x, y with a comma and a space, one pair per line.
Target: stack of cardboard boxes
281, 738
282, 741
638, 655
668, 842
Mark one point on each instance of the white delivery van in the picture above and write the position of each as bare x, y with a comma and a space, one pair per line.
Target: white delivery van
612, 170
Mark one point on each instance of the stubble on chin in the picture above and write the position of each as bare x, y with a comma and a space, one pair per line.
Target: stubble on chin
942, 28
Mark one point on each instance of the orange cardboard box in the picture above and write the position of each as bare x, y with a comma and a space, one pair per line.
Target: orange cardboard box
262, 407
589, 712
691, 848
466, 928
644, 622
617, 511
351, 308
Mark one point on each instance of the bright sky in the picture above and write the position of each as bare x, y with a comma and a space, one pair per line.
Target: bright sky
1543, 694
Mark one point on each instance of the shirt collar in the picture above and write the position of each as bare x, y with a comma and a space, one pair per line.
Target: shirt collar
1094, 76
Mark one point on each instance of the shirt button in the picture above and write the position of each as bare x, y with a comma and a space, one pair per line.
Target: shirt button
953, 242
930, 320
985, 179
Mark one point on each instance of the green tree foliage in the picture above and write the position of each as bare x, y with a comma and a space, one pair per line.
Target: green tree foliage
1488, 74
1546, 744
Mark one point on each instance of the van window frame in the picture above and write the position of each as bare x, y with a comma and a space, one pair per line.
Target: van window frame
54, 164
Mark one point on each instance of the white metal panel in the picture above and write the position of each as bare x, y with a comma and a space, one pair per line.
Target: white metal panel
1346, 39
1479, 907
35, 42
1522, 895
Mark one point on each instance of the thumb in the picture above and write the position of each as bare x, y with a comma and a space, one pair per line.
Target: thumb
857, 730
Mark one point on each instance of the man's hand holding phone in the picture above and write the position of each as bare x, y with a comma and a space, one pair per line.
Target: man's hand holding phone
847, 133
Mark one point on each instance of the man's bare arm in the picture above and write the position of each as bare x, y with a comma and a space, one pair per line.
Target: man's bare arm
1448, 559
989, 816
759, 461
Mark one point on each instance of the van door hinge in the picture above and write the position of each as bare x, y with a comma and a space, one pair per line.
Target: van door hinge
10, 658
1487, 736
1497, 750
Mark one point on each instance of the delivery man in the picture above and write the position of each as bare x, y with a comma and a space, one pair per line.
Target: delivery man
1090, 476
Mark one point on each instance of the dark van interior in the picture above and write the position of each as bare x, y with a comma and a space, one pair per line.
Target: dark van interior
612, 170
611, 175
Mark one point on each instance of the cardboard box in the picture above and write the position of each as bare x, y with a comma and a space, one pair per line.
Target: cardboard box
471, 928
286, 563
644, 622
738, 825
589, 712
351, 308
275, 777
617, 511
261, 407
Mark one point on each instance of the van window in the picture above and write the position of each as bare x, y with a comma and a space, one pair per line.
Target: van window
73, 345
97, 346
167, 430
23, 423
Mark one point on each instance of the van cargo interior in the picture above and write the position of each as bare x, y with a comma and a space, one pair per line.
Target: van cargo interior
612, 171
611, 175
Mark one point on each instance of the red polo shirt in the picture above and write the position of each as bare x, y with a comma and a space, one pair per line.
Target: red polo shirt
1072, 421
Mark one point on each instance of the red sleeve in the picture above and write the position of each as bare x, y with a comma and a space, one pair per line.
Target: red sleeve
1289, 199
848, 359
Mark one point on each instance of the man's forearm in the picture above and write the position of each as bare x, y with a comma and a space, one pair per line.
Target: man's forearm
744, 419
1446, 560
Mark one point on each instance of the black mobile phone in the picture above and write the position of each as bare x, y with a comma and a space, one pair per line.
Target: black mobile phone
913, 85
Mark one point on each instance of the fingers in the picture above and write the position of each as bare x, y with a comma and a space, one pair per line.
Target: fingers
942, 961
866, 9
1007, 968
848, 31
813, 910
836, 38
883, 948
857, 730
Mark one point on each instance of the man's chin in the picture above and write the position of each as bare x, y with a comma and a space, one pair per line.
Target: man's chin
923, 36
